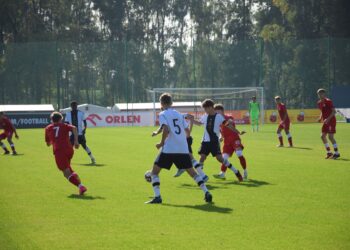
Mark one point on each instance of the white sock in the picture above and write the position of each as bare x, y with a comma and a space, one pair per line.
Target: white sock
200, 171
245, 171
194, 162
200, 182
327, 146
289, 135
233, 168
3, 145
279, 135
156, 184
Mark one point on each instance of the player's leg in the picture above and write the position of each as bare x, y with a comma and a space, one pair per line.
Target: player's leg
195, 163
2, 137
63, 163
289, 136
257, 123
155, 185
335, 146
82, 142
199, 180
12, 145
203, 152
279, 135
227, 153
221, 159
243, 162
325, 142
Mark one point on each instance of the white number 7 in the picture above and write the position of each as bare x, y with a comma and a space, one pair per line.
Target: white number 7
56, 131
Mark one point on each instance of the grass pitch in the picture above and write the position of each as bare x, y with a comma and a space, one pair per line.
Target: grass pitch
295, 199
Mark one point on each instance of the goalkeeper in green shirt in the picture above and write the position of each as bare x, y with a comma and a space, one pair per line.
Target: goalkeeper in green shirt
254, 113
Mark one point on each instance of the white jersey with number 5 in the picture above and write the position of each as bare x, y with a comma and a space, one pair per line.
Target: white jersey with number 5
176, 143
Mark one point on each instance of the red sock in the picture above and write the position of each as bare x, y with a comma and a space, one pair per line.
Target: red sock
243, 162
290, 141
223, 168
281, 140
74, 179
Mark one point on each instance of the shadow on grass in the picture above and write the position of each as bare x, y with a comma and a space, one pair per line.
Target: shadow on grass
92, 164
209, 207
11, 155
85, 197
342, 159
189, 186
248, 183
305, 148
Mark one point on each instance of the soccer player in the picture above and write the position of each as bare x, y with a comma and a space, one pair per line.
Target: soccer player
57, 135
9, 130
254, 114
329, 123
189, 119
210, 142
284, 123
77, 118
232, 142
174, 149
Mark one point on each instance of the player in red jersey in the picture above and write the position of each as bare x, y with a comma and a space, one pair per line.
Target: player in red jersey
9, 130
329, 123
57, 135
232, 142
285, 122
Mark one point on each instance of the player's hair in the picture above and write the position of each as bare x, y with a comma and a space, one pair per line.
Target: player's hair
323, 91
166, 99
56, 116
73, 103
253, 97
207, 103
219, 106
277, 97
2, 113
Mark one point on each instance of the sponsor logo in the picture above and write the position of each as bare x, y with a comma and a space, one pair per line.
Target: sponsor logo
94, 119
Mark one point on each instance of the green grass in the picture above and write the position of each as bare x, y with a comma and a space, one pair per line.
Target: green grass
295, 199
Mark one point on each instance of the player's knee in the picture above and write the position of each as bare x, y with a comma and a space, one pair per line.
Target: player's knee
225, 156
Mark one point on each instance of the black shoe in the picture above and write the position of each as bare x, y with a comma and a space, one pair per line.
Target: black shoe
336, 156
155, 200
208, 197
14, 153
6, 152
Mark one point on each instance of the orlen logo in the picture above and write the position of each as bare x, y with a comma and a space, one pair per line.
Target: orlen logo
91, 118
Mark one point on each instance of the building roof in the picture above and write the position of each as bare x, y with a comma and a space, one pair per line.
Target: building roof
27, 108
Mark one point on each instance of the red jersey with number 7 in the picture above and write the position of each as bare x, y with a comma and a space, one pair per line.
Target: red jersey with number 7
57, 134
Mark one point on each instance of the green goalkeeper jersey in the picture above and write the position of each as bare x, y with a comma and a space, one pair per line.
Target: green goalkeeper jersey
254, 109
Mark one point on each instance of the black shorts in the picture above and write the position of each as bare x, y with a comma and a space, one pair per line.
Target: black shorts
189, 143
181, 161
81, 139
212, 148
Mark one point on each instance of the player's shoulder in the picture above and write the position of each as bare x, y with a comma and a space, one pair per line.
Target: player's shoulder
49, 126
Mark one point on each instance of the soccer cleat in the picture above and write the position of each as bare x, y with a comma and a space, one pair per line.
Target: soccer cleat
206, 178
155, 200
82, 190
290, 146
6, 153
329, 155
179, 172
239, 176
208, 197
336, 156
220, 175
14, 153
280, 146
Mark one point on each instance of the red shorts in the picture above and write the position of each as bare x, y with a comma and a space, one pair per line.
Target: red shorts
230, 147
329, 128
284, 125
63, 159
6, 134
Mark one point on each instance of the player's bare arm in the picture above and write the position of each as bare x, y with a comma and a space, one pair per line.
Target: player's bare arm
75, 134
158, 131
164, 136
85, 126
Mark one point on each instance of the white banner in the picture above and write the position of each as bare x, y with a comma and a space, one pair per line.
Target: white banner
121, 119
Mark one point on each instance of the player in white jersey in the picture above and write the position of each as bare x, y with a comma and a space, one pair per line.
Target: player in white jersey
174, 149
211, 142
189, 119
77, 118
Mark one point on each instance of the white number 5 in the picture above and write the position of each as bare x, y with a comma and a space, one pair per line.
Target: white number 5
56, 131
